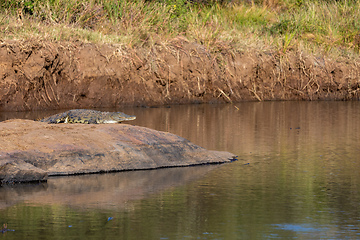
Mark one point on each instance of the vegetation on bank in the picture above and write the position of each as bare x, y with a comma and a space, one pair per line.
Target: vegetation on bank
326, 26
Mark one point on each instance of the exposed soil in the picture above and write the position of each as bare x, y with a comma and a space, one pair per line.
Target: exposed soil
47, 75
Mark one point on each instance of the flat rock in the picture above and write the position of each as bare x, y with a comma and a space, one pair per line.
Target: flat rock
32, 151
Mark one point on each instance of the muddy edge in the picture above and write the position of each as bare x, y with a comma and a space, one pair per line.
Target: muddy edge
38, 75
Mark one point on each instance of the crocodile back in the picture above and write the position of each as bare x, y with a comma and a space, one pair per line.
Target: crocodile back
88, 116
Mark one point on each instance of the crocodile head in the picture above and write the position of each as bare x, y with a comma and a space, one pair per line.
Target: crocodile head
116, 117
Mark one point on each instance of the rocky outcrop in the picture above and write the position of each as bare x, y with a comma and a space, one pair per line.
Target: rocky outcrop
32, 151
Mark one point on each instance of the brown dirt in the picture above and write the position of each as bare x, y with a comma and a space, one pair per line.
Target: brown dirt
47, 75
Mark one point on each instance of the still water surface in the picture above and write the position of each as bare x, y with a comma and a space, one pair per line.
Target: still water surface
297, 178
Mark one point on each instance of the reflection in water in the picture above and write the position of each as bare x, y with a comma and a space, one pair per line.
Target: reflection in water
258, 127
105, 191
301, 182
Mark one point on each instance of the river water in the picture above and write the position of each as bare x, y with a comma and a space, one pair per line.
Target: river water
297, 177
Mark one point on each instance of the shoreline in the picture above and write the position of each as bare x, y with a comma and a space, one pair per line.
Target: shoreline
41, 75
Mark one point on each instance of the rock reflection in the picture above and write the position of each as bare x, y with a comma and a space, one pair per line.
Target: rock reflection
104, 191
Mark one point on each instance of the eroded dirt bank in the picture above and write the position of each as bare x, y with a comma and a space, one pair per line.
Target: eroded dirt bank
46, 75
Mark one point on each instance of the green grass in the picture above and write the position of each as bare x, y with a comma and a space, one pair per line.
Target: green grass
280, 25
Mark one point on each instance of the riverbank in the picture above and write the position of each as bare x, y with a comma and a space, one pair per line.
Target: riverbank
48, 75
111, 54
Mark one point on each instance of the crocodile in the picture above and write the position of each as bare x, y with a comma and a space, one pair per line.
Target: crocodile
88, 116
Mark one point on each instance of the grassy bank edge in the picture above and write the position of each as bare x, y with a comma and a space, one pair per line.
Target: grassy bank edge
318, 27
